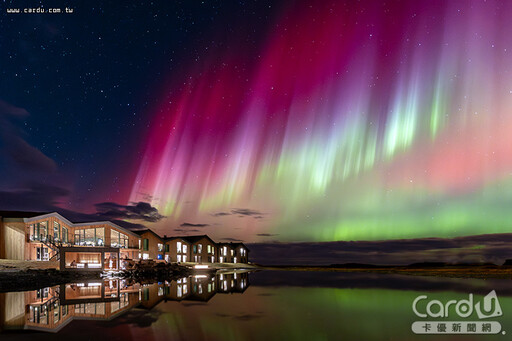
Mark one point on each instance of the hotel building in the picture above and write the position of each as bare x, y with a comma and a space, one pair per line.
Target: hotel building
99, 246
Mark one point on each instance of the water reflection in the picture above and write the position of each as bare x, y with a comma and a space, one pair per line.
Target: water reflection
50, 309
275, 306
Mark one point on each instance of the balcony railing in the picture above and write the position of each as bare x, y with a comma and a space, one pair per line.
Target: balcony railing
78, 242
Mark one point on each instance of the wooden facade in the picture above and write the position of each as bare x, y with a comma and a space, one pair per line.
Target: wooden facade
95, 245
152, 246
177, 249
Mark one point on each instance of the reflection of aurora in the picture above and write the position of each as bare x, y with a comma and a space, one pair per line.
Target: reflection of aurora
347, 131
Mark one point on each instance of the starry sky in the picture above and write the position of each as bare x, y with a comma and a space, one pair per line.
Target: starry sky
289, 121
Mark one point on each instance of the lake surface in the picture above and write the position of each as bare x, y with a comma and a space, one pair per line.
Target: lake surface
265, 305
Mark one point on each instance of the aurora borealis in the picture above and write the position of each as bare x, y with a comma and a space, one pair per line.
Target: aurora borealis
264, 121
354, 122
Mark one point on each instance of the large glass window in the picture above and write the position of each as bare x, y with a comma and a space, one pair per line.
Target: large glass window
114, 238
64, 234
146, 244
185, 248
90, 237
123, 240
56, 231
118, 239
160, 247
178, 245
43, 230
80, 237
100, 236
39, 231
200, 248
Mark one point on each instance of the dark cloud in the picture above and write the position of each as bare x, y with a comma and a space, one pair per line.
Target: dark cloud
129, 226
266, 235
194, 225
137, 211
220, 214
15, 152
193, 304
247, 317
246, 212
494, 248
222, 315
35, 196
186, 230
231, 239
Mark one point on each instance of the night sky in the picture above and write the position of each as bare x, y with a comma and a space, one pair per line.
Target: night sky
262, 121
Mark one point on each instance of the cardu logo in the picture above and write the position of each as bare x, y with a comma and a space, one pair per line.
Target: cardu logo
485, 309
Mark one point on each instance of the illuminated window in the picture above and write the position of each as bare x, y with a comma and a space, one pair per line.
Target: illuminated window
118, 239
200, 248
178, 245
160, 247
64, 234
184, 248
56, 231
145, 256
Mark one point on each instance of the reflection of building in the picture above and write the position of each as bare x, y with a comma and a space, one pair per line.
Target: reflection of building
50, 309
98, 246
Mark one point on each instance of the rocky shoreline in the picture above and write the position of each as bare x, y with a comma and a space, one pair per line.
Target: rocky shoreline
33, 279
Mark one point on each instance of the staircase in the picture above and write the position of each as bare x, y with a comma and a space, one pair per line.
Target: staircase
52, 245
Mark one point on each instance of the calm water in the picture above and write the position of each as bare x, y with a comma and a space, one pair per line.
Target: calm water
242, 306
